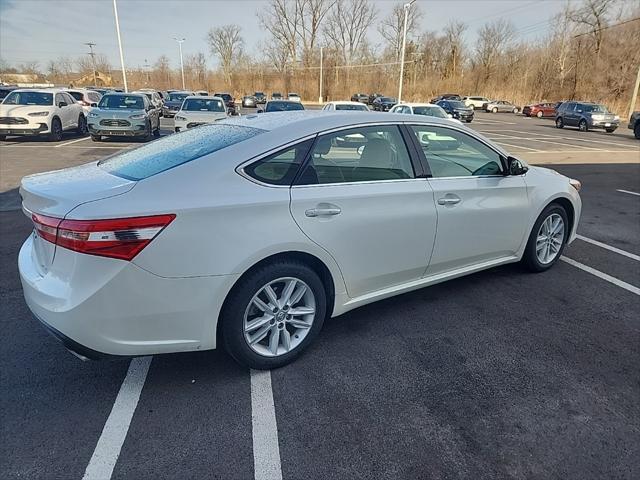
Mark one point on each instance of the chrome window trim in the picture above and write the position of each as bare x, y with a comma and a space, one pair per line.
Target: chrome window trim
364, 182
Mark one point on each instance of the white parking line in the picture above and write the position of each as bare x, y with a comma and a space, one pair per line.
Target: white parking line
518, 146
627, 191
266, 451
72, 141
115, 430
602, 275
609, 247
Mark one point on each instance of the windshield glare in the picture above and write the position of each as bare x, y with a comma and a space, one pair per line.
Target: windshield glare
203, 105
351, 107
129, 102
28, 98
430, 111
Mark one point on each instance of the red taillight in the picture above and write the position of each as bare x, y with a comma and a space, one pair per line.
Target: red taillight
121, 238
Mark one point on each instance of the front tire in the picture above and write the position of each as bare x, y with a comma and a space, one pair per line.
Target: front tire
96, 138
582, 126
494, 110
56, 130
539, 114
610, 130
3, 138
273, 314
547, 239
82, 125
516, 110
636, 131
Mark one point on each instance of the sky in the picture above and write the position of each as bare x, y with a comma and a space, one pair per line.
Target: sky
43, 30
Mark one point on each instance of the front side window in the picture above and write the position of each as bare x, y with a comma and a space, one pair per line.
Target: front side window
362, 154
451, 153
280, 168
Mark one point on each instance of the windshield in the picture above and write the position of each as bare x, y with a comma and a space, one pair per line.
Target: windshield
178, 97
225, 96
283, 106
430, 111
596, 109
348, 106
456, 104
28, 98
129, 102
174, 150
203, 105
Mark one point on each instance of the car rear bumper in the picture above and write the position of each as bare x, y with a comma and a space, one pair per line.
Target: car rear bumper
98, 306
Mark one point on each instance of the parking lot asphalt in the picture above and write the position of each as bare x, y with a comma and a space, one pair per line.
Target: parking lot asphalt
501, 374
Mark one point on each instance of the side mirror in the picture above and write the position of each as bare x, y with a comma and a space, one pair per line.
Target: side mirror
93, 105
515, 166
579, 111
62, 104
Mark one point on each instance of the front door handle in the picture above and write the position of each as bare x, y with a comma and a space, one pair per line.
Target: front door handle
322, 210
448, 200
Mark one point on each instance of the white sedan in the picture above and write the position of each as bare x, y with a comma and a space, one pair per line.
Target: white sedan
199, 110
346, 106
250, 232
426, 109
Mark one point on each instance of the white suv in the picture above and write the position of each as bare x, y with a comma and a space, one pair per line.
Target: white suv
475, 102
41, 112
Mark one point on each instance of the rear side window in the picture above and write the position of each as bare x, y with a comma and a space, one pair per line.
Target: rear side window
175, 150
281, 167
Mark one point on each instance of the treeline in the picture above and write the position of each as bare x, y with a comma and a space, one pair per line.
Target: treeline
589, 51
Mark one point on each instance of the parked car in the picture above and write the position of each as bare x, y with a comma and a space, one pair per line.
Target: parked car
87, 98
346, 106
294, 97
447, 96
540, 110
6, 90
260, 97
41, 112
457, 110
383, 104
155, 99
124, 115
202, 93
281, 106
360, 97
634, 124
276, 96
475, 102
501, 106
181, 245
372, 98
171, 106
229, 102
249, 101
426, 109
586, 116
198, 110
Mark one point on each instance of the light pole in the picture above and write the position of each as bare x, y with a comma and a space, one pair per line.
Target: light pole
124, 73
407, 7
180, 40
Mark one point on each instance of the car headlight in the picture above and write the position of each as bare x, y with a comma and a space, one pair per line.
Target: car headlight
38, 114
138, 116
575, 184
616, 117
93, 115
178, 117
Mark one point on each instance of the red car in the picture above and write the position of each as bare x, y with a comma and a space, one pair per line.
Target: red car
540, 110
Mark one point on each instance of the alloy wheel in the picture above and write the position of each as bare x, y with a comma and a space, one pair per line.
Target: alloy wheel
550, 238
279, 316
582, 126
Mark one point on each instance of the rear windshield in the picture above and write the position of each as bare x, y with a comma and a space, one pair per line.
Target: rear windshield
203, 105
174, 150
177, 97
28, 98
283, 106
130, 102
430, 111
349, 106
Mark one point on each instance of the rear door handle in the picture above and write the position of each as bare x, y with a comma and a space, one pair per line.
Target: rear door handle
322, 210
448, 200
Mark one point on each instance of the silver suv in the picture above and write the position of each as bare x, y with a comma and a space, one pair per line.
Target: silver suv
586, 116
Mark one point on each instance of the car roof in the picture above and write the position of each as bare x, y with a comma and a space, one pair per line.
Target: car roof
344, 102
204, 97
131, 94
42, 90
417, 104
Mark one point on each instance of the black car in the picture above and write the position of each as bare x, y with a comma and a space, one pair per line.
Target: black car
282, 106
457, 109
360, 97
228, 101
276, 96
446, 96
173, 104
372, 97
384, 104
634, 124
260, 97
249, 101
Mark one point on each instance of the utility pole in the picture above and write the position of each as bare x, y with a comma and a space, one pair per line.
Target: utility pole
320, 96
93, 61
407, 7
180, 40
146, 67
634, 96
124, 73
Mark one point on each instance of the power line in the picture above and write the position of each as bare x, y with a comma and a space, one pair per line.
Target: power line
605, 28
93, 60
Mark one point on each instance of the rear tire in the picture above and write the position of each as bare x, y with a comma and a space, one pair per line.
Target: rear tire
582, 126
531, 257
82, 125
539, 114
516, 110
239, 305
468, 120
494, 110
56, 130
3, 138
156, 132
96, 138
559, 122
636, 131
148, 134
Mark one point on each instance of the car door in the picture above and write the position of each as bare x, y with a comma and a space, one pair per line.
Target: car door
62, 104
569, 115
482, 213
362, 202
74, 110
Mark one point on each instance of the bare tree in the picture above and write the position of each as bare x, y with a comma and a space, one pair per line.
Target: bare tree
226, 42
196, 67
454, 37
593, 15
493, 40
85, 64
346, 27
392, 27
